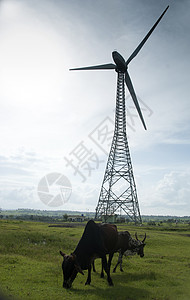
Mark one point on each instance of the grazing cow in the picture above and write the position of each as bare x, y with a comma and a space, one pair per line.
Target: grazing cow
97, 241
126, 245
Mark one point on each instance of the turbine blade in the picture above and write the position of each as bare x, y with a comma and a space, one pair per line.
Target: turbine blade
99, 67
134, 97
145, 38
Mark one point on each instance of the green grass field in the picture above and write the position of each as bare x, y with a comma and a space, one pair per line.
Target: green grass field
30, 264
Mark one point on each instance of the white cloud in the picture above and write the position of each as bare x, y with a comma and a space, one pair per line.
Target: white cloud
20, 173
170, 195
20, 197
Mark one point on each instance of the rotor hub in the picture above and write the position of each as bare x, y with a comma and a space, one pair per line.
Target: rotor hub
119, 61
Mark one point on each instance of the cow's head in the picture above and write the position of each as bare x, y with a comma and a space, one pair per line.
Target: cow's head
138, 246
70, 269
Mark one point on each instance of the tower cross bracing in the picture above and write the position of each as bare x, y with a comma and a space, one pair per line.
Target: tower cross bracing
118, 189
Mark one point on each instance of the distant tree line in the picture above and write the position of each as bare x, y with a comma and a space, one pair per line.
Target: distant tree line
63, 216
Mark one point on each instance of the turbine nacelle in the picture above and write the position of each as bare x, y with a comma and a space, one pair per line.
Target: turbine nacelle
119, 61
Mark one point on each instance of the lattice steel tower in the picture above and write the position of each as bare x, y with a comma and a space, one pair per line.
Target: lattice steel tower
118, 189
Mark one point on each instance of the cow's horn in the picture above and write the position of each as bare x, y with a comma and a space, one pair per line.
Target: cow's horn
62, 254
136, 236
144, 238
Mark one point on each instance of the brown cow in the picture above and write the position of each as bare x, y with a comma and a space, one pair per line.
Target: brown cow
126, 245
129, 246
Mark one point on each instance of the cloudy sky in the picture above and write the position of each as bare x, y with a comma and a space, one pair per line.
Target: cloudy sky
50, 117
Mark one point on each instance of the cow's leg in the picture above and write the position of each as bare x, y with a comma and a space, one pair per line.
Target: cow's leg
110, 259
88, 281
107, 270
93, 266
102, 272
116, 265
119, 261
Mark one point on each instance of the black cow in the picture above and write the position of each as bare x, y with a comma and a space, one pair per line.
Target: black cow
97, 241
128, 246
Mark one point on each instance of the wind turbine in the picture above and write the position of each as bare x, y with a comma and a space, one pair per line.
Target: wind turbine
110, 201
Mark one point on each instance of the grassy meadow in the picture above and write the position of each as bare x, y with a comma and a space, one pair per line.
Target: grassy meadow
30, 264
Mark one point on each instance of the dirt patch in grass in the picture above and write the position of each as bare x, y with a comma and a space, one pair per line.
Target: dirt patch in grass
186, 235
68, 225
